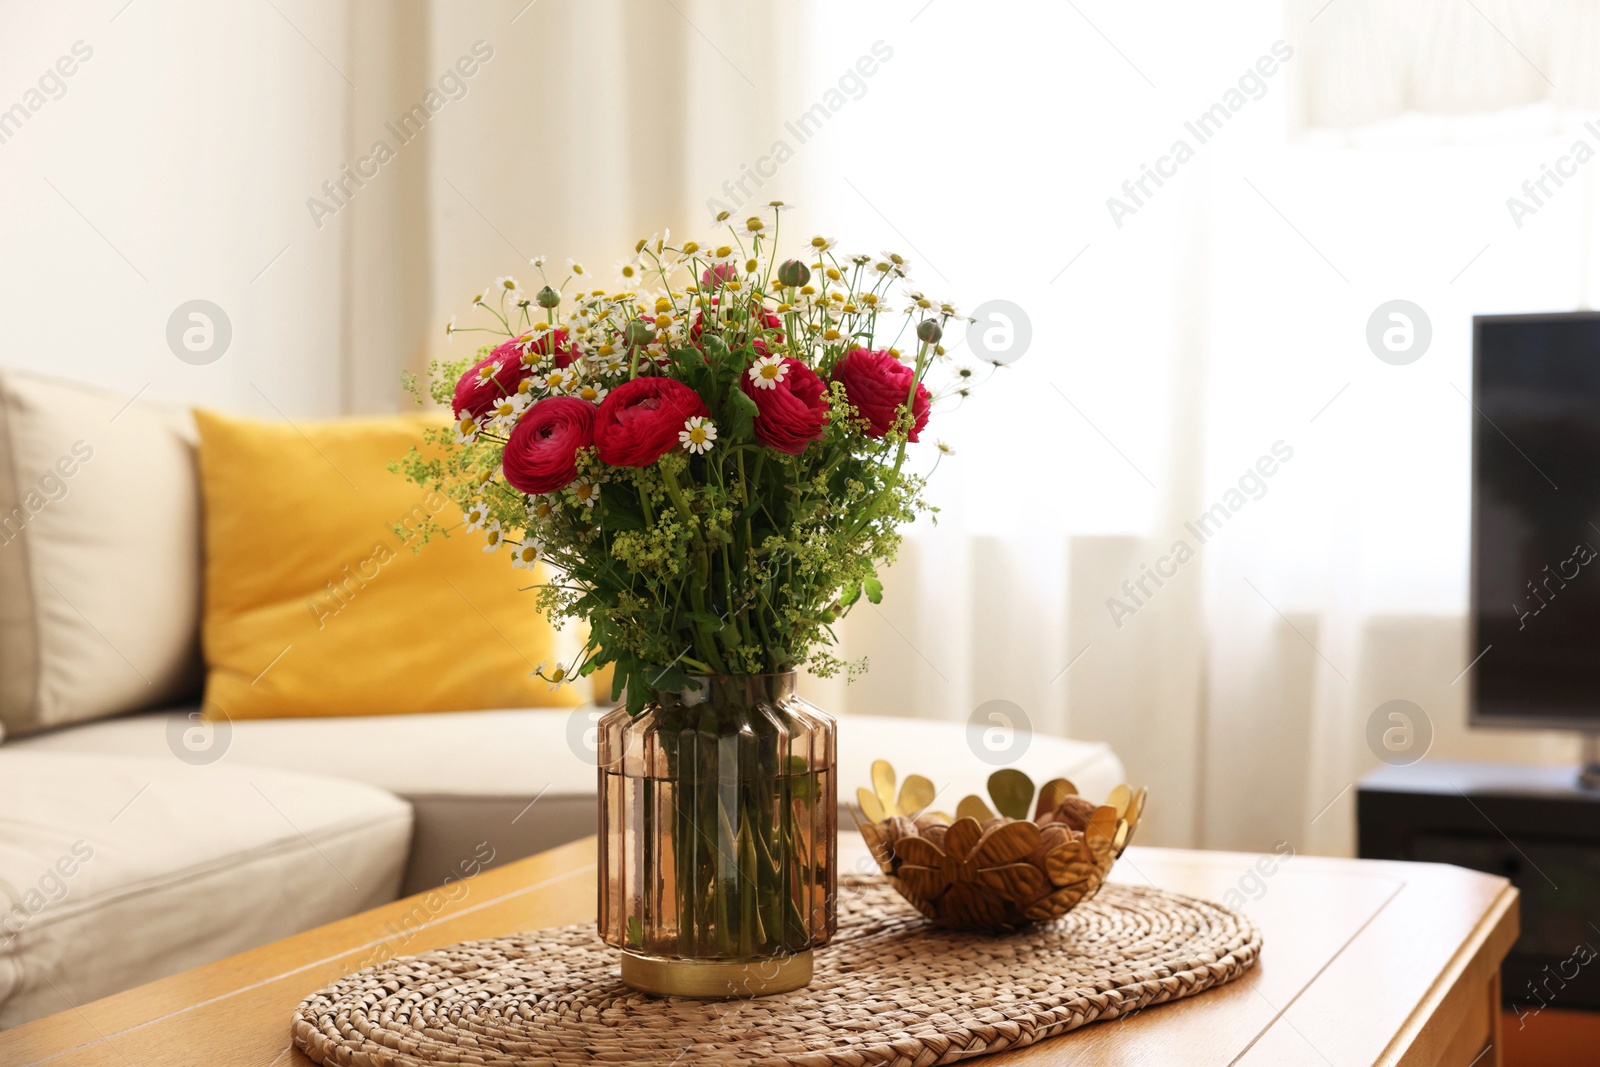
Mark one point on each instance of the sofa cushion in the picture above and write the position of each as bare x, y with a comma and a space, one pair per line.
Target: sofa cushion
322, 598
508, 784
99, 554
116, 871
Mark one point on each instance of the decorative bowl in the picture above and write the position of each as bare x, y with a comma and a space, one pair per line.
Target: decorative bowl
988, 871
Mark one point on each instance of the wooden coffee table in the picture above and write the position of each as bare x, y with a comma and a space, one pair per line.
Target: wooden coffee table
1365, 962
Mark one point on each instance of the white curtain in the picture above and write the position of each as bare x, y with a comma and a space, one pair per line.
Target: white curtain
1180, 330
1223, 321
1369, 60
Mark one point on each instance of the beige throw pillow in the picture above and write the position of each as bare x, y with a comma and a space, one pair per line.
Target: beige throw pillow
100, 564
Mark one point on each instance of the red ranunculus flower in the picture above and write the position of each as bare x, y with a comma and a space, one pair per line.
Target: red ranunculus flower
791, 411
541, 455
877, 385
638, 421
477, 391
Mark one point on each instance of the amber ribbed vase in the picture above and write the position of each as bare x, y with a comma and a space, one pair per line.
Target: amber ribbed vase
718, 837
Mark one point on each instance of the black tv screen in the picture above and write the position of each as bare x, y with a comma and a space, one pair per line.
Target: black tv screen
1536, 520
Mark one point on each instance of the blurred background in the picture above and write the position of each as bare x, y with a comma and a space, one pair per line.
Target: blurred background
1342, 154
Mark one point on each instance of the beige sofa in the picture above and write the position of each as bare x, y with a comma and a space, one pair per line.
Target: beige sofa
137, 840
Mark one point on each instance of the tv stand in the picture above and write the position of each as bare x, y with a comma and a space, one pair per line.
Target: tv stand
1589, 769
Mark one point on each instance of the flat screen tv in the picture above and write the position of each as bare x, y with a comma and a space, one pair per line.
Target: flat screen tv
1535, 587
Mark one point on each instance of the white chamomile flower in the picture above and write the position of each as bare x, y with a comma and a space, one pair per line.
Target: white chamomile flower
557, 678
629, 272
537, 263
575, 267
721, 217
493, 537
486, 374
450, 330
776, 207
752, 226
525, 553
540, 509
506, 285
558, 380
609, 361
591, 392
945, 449
467, 430
767, 372
585, 491
653, 245
698, 434
722, 253
505, 411
820, 244
475, 517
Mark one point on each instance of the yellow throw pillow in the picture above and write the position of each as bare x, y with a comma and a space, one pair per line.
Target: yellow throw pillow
316, 606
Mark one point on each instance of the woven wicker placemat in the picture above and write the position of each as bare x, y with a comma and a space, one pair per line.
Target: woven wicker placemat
888, 990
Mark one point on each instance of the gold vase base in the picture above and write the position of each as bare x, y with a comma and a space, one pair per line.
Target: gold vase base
716, 979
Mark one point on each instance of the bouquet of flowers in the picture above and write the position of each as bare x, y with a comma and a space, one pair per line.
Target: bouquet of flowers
712, 460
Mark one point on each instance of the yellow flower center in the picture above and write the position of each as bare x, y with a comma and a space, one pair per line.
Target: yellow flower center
698, 435
770, 371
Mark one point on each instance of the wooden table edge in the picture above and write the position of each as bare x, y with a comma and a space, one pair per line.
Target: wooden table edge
1474, 966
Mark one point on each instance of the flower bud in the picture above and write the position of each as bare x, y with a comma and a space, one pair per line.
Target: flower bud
548, 297
928, 331
793, 272
640, 332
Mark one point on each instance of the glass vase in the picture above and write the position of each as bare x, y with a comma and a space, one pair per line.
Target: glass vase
718, 837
